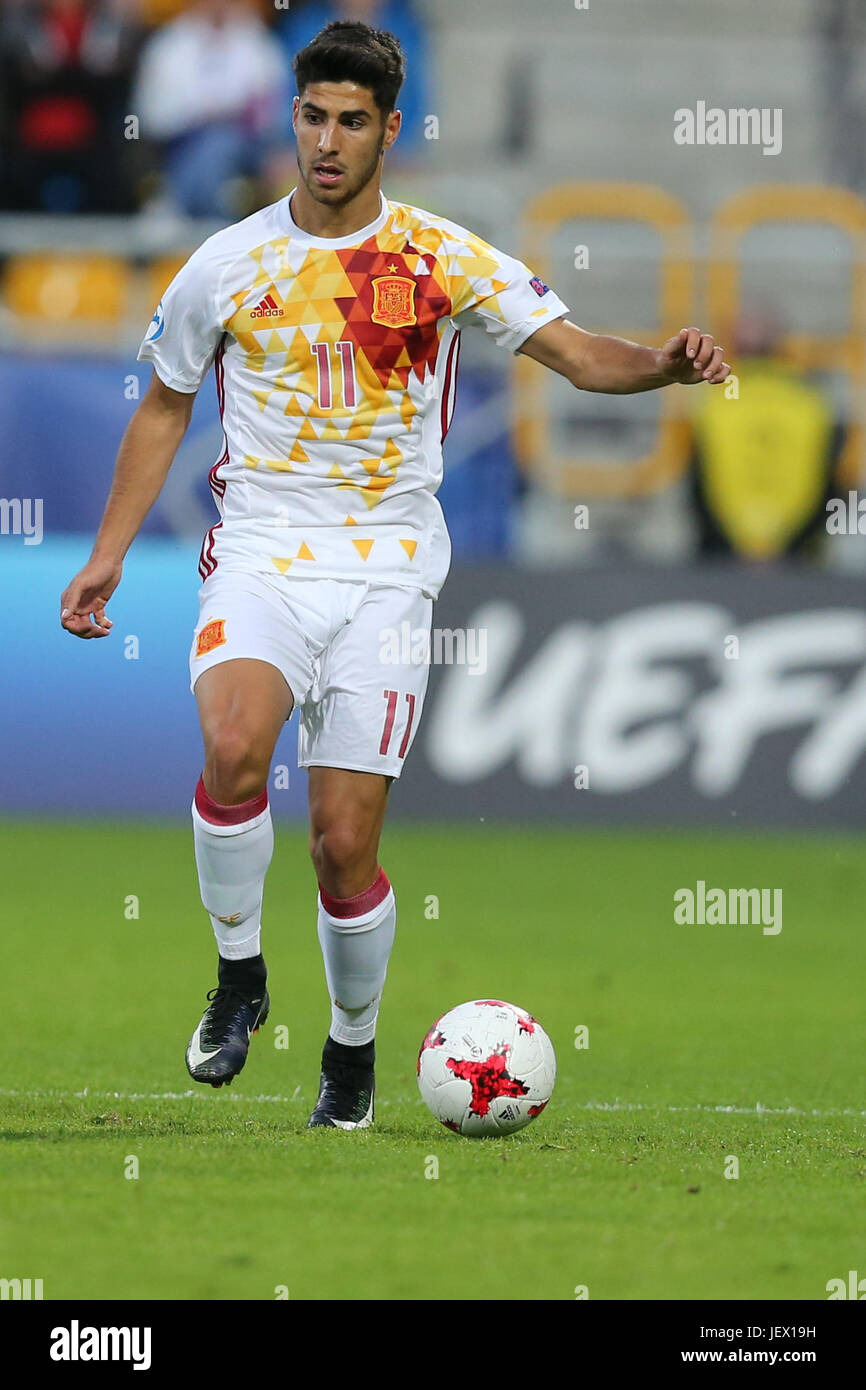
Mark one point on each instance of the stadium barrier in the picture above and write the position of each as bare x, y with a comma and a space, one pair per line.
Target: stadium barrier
731, 696
725, 695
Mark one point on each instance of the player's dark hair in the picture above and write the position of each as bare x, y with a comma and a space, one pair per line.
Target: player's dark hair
347, 50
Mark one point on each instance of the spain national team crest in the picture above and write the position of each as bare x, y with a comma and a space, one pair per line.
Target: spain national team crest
213, 634
394, 301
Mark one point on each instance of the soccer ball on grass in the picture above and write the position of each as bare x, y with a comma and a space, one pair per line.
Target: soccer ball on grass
486, 1067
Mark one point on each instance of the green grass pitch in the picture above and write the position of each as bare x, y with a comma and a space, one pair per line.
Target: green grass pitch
705, 1043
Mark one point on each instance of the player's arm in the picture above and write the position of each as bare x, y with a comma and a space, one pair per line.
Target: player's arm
595, 362
146, 453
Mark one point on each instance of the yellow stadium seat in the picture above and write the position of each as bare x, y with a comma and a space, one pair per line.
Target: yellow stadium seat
158, 11
536, 451
61, 289
160, 274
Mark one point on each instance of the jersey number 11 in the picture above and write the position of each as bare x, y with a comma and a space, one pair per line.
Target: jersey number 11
346, 354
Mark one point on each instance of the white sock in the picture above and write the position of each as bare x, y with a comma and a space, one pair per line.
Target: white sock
233, 848
356, 935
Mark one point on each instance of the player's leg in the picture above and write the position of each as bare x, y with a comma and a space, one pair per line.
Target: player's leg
357, 914
354, 739
249, 653
347, 812
357, 921
243, 705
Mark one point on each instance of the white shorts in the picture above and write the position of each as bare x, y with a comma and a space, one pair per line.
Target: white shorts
345, 648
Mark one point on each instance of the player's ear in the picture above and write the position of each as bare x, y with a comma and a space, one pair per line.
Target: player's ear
296, 102
392, 128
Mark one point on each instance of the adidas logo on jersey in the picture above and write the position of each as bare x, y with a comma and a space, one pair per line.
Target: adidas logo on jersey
268, 308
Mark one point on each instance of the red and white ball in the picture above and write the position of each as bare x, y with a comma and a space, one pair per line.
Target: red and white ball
486, 1067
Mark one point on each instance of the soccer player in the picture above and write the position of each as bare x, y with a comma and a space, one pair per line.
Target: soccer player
332, 319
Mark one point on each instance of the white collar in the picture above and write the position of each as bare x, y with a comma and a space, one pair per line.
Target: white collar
332, 243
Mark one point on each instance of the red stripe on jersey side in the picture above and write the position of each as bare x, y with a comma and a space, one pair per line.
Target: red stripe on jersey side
218, 485
208, 546
448, 400
207, 563
220, 382
203, 569
210, 550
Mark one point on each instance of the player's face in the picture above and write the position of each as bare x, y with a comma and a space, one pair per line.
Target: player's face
341, 138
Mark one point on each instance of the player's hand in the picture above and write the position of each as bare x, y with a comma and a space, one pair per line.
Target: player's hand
82, 604
692, 357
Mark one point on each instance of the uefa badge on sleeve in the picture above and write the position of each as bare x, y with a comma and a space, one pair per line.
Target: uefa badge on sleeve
156, 325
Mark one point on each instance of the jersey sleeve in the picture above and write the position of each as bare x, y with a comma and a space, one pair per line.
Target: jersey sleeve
186, 328
498, 293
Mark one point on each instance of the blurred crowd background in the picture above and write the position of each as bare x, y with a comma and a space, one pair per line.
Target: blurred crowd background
209, 82
131, 129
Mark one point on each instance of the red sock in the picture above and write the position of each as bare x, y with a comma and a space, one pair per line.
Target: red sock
217, 814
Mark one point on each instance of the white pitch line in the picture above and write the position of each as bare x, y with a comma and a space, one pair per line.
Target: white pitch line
624, 1107
756, 1109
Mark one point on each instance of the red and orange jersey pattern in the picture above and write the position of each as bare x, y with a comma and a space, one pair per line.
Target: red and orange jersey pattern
336, 365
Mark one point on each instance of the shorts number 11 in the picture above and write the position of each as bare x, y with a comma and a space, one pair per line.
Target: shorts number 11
392, 696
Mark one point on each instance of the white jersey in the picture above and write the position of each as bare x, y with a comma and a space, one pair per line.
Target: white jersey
336, 366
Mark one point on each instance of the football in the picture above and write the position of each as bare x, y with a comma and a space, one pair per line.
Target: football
486, 1067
